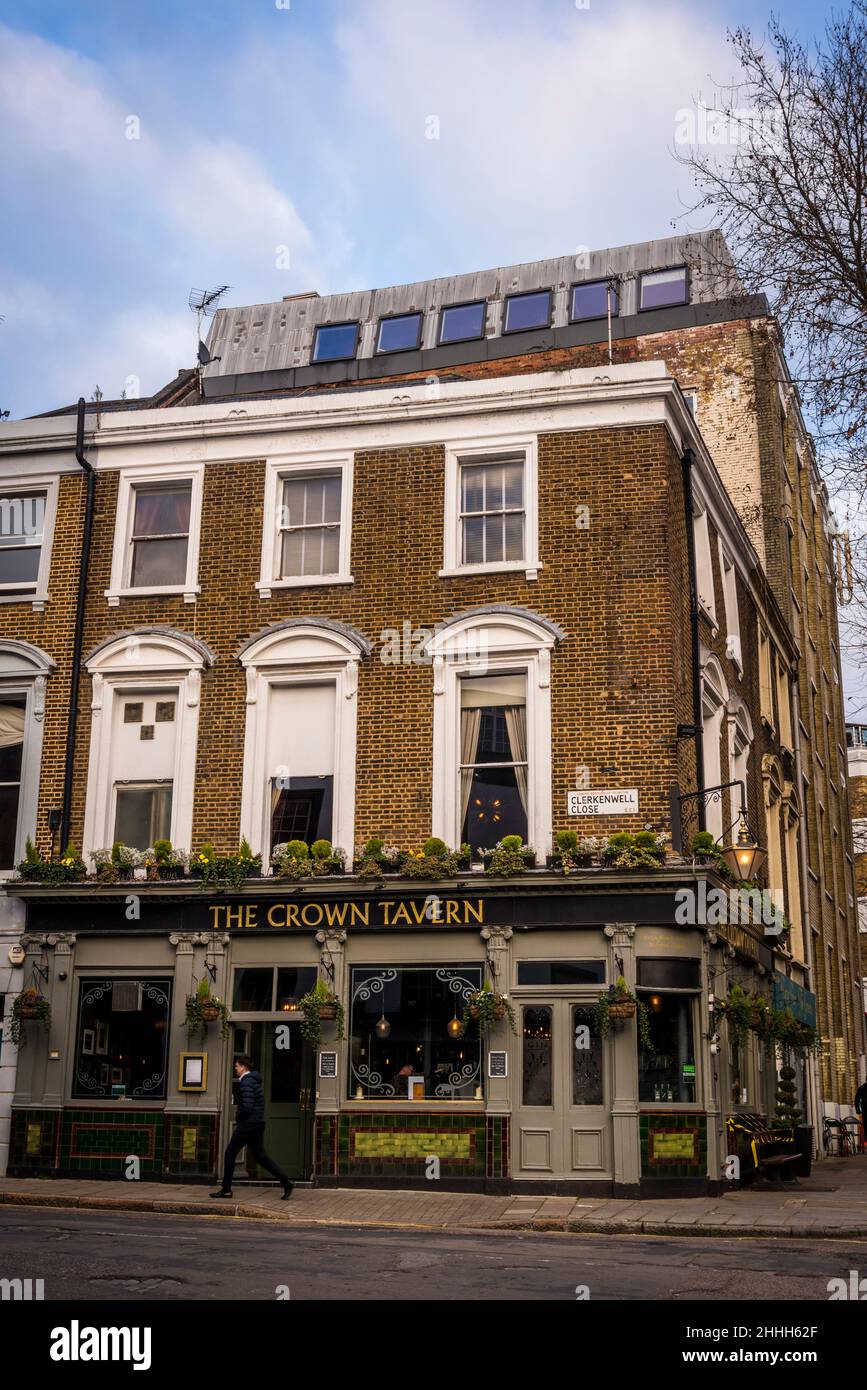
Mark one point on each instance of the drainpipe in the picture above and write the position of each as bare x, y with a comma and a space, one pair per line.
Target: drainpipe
78, 635
687, 462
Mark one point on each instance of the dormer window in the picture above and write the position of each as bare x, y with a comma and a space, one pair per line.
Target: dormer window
335, 342
527, 311
400, 333
662, 288
590, 300
461, 322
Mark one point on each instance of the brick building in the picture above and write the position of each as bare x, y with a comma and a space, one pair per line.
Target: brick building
459, 559
856, 743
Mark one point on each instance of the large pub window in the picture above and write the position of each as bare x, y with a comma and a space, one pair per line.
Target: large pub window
122, 1039
494, 766
667, 1069
12, 715
403, 1031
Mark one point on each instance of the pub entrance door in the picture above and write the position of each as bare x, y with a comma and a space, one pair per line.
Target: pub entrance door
560, 1104
287, 1080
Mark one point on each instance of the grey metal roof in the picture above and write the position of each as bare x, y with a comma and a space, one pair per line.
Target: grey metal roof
260, 338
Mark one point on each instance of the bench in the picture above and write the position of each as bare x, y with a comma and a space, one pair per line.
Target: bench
772, 1151
774, 1166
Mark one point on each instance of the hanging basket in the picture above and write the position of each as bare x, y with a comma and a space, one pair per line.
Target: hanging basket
624, 1008
328, 1012
210, 1013
29, 1011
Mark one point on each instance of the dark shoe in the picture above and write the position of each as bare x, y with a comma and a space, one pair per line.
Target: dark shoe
288, 1189
221, 1193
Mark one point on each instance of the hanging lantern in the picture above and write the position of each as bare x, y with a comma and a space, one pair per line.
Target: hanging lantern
454, 1027
383, 1027
745, 857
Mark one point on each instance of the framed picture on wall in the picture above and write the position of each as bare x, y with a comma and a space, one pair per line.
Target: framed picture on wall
193, 1071
117, 1076
103, 1074
87, 1041
101, 1039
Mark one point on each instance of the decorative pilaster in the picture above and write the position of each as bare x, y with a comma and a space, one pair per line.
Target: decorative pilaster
332, 969
623, 1052
498, 954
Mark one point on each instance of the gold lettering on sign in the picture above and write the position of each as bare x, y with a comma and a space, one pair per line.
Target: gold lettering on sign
305, 917
360, 914
335, 913
233, 917
400, 915
452, 908
215, 915
292, 914
477, 912
250, 915
272, 920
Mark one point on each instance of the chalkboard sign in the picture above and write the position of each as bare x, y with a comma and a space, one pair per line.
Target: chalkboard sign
328, 1064
497, 1064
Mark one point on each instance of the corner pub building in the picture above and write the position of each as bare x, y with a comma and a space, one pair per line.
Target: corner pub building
401, 563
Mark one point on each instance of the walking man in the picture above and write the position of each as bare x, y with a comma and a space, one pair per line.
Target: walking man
861, 1109
249, 1129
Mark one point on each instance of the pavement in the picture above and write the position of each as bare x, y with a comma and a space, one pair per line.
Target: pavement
831, 1204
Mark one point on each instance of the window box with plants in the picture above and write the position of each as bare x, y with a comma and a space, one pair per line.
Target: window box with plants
320, 1005
375, 858
225, 870
706, 850
69, 868
571, 853
325, 859
29, 1007
116, 865
164, 862
618, 1004
645, 850
486, 1007
434, 860
291, 859
204, 1008
509, 856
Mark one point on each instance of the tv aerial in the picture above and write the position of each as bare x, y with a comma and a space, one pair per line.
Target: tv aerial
204, 304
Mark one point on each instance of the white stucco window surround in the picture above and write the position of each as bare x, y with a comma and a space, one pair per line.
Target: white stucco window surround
714, 697
138, 481
299, 657
489, 641
28, 514
146, 664
504, 521
24, 672
322, 516
740, 744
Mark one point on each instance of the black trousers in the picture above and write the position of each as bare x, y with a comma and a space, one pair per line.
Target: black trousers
251, 1136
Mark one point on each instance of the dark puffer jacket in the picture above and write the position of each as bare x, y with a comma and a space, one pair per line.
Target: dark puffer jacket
251, 1108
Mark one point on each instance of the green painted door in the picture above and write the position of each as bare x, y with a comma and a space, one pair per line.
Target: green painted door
287, 1080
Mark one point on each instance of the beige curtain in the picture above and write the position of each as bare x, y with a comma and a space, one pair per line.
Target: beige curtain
11, 725
516, 727
471, 721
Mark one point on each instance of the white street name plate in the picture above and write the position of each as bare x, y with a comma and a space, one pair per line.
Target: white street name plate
608, 803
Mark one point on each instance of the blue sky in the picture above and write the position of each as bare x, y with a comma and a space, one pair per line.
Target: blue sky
275, 131
305, 127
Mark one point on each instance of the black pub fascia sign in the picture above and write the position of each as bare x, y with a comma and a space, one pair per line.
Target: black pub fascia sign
347, 913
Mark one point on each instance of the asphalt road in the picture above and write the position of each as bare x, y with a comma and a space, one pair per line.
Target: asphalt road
134, 1257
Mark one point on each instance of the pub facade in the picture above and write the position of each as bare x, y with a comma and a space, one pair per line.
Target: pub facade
396, 627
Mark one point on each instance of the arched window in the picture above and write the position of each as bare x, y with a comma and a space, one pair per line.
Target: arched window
714, 695
773, 786
24, 670
492, 727
299, 746
144, 729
